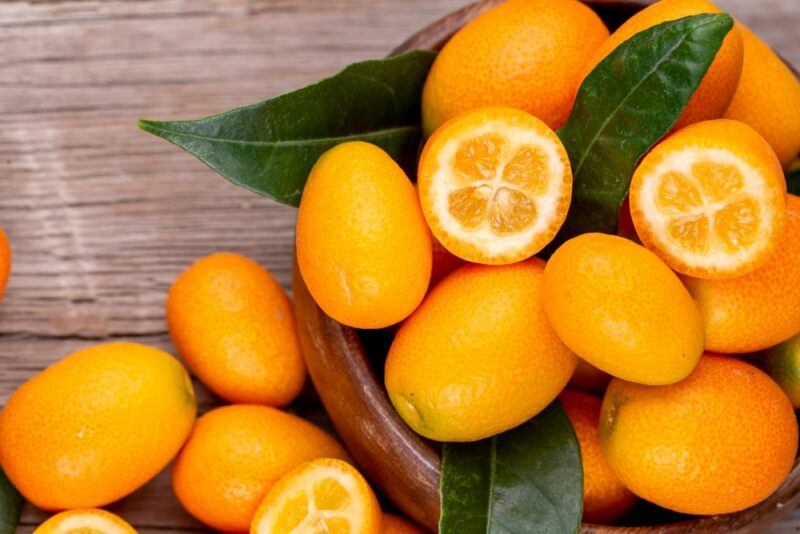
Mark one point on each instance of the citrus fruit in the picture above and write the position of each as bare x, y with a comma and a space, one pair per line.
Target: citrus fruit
605, 499
768, 98
589, 378
525, 54
782, 364
718, 86
478, 357
234, 456
5, 262
619, 307
393, 524
321, 496
85, 521
760, 309
95, 426
233, 325
710, 200
362, 244
495, 185
718, 442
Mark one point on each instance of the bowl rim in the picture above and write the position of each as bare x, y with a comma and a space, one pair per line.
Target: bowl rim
332, 349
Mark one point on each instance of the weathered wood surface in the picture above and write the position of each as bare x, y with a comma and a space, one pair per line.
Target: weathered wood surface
102, 216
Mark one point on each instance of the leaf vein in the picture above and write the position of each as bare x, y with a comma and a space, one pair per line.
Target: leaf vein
158, 130
633, 90
492, 472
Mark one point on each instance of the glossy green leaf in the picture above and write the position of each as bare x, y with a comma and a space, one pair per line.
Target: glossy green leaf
271, 146
526, 480
627, 103
10, 505
793, 181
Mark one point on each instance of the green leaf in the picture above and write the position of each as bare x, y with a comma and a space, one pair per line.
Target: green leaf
526, 480
271, 146
793, 181
10, 505
627, 103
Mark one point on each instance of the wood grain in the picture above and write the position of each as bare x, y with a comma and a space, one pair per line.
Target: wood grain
102, 216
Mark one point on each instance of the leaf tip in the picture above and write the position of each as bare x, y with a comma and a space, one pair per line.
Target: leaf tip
147, 125
727, 18
723, 19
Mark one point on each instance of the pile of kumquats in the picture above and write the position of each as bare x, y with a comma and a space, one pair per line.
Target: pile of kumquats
672, 345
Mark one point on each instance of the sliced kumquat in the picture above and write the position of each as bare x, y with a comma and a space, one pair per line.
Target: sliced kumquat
710, 200
85, 521
495, 185
325, 496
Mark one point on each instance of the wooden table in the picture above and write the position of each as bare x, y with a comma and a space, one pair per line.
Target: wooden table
102, 216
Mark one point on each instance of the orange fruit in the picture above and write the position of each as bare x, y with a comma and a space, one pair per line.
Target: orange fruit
235, 454
478, 357
320, 496
5, 262
393, 524
233, 325
605, 499
616, 305
94, 427
782, 364
495, 185
525, 54
85, 521
710, 200
718, 442
768, 98
718, 86
760, 309
363, 247
589, 378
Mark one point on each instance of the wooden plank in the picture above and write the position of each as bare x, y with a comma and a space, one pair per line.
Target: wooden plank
102, 216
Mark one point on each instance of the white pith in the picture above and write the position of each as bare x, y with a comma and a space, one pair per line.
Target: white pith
90, 521
444, 182
353, 512
716, 256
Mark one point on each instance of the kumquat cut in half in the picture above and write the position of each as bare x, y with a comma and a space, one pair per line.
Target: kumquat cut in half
710, 200
85, 521
324, 496
495, 185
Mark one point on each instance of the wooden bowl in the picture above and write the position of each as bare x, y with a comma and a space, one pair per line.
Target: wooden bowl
343, 362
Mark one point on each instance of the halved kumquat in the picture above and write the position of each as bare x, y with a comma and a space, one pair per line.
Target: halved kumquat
495, 185
710, 200
85, 521
325, 496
